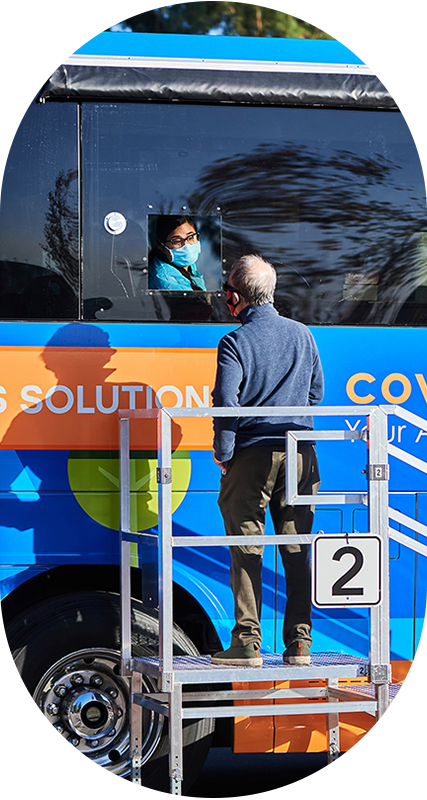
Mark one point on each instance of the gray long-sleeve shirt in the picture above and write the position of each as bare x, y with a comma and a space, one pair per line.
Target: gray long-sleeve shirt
269, 361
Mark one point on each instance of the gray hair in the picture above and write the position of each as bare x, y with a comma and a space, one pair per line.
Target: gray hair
255, 279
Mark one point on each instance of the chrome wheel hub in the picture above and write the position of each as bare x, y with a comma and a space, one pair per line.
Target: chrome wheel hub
90, 714
85, 698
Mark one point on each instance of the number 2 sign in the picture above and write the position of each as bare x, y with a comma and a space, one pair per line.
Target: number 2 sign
346, 570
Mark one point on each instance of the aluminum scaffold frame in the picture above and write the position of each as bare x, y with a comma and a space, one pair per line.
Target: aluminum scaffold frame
171, 673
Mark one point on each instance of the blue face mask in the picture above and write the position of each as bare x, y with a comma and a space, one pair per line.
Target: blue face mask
186, 255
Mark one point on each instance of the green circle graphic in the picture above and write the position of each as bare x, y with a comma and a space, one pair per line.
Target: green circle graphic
94, 478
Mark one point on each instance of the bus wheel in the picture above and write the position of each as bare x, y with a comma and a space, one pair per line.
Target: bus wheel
67, 651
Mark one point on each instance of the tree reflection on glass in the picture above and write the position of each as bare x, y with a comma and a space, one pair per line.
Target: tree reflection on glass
61, 229
52, 289
344, 230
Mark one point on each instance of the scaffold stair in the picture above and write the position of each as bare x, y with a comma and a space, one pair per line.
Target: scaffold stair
215, 691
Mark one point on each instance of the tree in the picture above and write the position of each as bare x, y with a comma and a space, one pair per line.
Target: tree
386, 21
354, 21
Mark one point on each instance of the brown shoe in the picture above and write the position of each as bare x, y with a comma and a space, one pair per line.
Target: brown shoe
244, 656
297, 653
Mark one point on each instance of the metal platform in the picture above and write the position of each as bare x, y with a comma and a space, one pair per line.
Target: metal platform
398, 692
209, 703
199, 669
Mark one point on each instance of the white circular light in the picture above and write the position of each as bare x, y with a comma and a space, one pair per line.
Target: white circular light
115, 223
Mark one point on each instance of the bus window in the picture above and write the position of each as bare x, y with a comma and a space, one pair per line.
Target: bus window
39, 223
333, 198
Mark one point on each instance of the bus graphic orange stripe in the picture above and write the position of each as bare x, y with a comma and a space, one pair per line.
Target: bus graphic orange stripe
67, 398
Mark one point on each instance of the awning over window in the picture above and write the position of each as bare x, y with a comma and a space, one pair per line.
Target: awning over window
254, 82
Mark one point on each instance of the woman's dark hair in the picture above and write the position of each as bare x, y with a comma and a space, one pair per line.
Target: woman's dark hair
168, 222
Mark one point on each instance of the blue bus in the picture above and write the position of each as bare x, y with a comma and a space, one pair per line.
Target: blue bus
289, 148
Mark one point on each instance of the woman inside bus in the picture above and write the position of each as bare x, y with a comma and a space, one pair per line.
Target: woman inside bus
172, 264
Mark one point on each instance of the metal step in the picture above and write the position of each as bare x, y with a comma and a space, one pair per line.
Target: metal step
408, 706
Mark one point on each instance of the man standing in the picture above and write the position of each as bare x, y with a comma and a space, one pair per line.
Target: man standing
268, 361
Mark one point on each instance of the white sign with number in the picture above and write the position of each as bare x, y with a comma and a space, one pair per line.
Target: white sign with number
346, 570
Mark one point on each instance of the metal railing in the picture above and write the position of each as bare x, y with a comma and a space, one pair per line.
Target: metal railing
378, 507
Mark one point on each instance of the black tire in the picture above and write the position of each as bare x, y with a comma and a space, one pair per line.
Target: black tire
79, 634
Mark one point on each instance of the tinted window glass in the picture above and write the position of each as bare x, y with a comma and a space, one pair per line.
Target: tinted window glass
39, 236
334, 199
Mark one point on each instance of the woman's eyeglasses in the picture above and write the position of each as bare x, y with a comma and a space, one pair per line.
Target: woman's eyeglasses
178, 241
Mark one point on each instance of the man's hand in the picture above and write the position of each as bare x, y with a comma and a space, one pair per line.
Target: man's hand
220, 464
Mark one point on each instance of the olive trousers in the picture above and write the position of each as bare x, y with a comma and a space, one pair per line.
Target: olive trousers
254, 481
